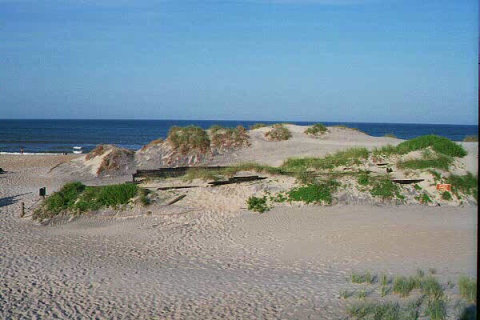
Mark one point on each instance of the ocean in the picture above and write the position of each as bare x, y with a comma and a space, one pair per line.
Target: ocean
58, 136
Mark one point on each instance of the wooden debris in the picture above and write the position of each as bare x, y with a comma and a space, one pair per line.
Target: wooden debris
236, 180
169, 172
382, 164
176, 199
176, 187
407, 181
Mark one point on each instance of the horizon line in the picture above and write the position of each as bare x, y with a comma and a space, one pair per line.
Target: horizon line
233, 120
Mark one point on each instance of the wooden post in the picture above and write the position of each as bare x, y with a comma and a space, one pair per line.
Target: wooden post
22, 212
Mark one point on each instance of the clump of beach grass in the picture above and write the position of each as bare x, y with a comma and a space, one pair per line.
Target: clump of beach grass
436, 309
189, 139
385, 189
365, 277
316, 130
278, 133
75, 196
354, 156
257, 126
345, 294
472, 138
375, 310
431, 288
229, 138
438, 162
468, 288
447, 196
466, 184
424, 198
390, 135
439, 144
404, 285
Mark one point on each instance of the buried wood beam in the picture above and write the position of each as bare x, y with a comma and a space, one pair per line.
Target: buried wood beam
407, 181
236, 180
176, 199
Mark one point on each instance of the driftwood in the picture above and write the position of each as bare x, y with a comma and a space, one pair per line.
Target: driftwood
236, 180
176, 199
176, 187
169, 172
407, 181
382, 164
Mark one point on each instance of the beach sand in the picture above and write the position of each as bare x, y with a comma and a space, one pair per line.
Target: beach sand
288, 263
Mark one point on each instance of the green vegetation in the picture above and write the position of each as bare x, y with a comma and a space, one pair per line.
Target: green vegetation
424, 198
439, 144
468, 288
467, 184
447, 196
228, 138
473, 138
363, 179
354, 156
216, 174
316, 130
431, 288
362, 294
385, 290
437, 162
417, 187
384, 280
404, 285
278, 133
187, 139
258, 204
319, 193
257, 125
436, 309
386, 189
362, 278
390, 135
345, 294
75, 196
375, 310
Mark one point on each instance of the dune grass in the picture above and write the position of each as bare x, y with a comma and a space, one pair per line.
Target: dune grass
227, 138
278, 133
404, 285
365, 277
473, 138
468, 288
436, 162
436, 309
189, 139
439, 144
354, 156
466, 184
316, 130
385, 189
75, 196
257, 126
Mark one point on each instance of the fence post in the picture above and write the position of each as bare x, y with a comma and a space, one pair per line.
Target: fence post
22, 212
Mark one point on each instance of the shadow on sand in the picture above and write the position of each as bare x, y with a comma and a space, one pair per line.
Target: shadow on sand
10, 200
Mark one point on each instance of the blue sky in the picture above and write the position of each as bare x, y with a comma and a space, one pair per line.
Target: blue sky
313, 60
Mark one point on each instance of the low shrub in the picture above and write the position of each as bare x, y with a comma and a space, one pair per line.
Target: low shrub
76, 196
278, 133
257, 204
316, 130
318, 193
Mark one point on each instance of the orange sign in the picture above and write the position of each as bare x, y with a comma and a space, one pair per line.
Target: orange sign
444, 187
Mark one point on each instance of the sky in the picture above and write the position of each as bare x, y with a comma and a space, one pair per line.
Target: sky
396, 61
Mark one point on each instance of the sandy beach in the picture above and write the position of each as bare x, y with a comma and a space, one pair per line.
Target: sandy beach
209, 262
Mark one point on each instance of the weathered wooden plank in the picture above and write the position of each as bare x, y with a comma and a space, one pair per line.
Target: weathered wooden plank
236, 180
407, 181
176, 187
176, 199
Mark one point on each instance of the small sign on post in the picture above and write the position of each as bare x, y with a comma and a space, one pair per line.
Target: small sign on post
444, 187
42, 192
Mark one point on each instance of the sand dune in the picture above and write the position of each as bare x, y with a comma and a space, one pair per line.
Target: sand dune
185, 262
